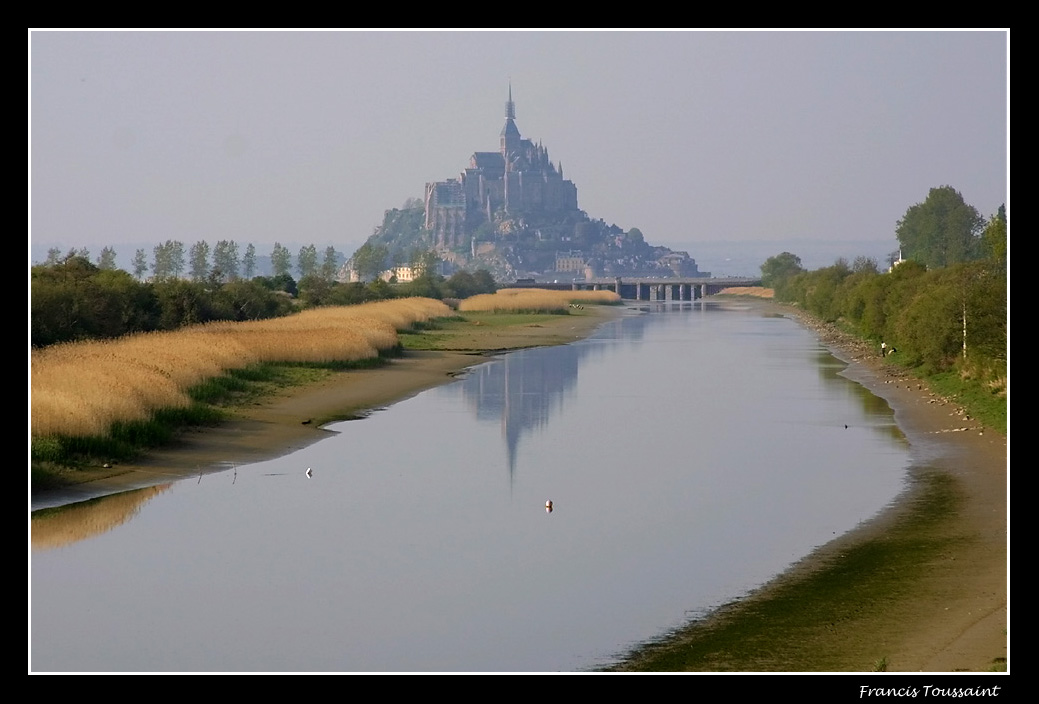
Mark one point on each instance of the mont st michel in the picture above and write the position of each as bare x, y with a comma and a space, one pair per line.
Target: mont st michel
512, 211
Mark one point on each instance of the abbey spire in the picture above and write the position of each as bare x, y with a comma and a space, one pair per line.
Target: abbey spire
510, 134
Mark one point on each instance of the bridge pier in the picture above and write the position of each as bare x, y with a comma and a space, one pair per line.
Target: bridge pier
669, 289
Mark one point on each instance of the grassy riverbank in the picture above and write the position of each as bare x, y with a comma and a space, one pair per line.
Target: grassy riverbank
218, 403
61, 460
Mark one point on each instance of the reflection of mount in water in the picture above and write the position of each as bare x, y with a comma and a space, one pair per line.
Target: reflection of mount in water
523, 389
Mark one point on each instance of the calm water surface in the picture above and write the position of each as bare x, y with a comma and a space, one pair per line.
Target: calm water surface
691, 452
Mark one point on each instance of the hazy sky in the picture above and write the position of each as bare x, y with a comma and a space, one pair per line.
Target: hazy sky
299, 137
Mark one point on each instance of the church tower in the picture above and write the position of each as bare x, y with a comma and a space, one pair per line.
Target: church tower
510, 135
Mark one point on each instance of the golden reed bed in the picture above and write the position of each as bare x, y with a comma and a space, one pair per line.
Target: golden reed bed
534, 299
80, 389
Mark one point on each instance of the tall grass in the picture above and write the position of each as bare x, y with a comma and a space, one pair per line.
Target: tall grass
535, 300
87, 389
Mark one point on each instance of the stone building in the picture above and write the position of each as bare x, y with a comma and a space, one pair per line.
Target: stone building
519, 178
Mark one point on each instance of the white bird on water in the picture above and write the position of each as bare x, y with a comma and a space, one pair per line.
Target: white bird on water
309, 474
548, 506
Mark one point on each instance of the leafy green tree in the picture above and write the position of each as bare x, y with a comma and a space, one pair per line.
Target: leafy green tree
778, 269
140, 264
169, 260
462, 284
106, 260
249, 300
125, 305
986, 317
330, 264
484, 281
425, 262
315, 290
53, 256
225, 260
182, 303
822, 294
60, 301
281, 260
177, 259
865, 265
928, 330
348, 294
76, 300
995, 238
249, 261
379, 290
370, 260
941, 231
198, 257
280, 282
306, 262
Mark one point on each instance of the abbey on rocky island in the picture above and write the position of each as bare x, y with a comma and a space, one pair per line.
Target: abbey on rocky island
518, 178
513, 213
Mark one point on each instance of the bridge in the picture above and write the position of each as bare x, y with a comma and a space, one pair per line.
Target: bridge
669, 289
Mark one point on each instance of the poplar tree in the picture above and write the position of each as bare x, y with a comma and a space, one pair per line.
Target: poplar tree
249, 261
106, 260
281, 260
306, 264
199, 257
140, 264
169, 260
330, 264
225, 259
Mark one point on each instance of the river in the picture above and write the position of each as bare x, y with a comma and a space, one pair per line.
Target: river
691, 452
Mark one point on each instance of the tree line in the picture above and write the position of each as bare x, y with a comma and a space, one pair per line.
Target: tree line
73, 298
225, 261
942, 306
